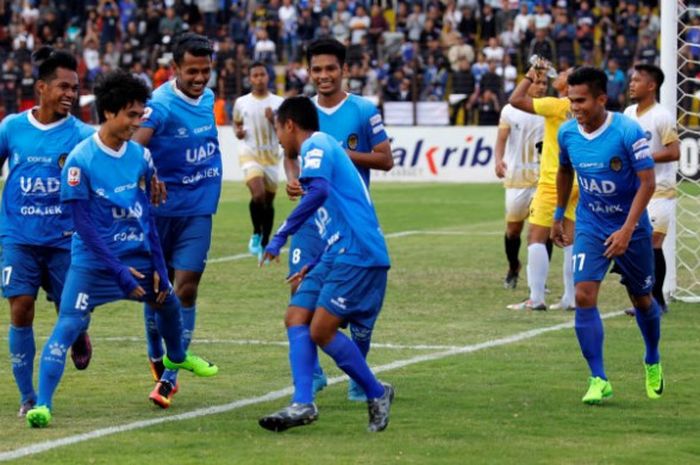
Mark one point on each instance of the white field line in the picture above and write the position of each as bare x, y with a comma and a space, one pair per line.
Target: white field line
274, 395
244, 256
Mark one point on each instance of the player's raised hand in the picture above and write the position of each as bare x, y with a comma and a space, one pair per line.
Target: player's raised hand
558, 235
617, 243
501, 168
139, 292
294, 190
159, 194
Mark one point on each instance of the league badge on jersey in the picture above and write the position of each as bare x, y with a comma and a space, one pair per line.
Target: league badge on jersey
62, 160
615, 164
352, 141
73, 176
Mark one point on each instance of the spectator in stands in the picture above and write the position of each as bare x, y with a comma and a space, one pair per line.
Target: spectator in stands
628, 21
357, 79
11, 76
378, 25
468, 25
622, 52
510, 41
543, 20
564, 34
584, 15
359, 25
522, 21
494, 51
138, 71
392, 87
434, 80
490, 80
27, 95
480, 67
488, 108
171, 24
509, 74
692, 37
109, 16
111, 55
288, 18
463, 84
487, 23
647, 51
91, 58
238, 26
296, 79
208, 9
616, 86
449, 37
542, 45
163, 73
584, 36
460, 51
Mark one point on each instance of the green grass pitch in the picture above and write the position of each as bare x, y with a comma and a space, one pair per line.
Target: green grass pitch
514, 403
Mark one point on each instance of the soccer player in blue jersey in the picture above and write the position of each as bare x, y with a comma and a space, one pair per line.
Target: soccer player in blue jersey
346, 284
34, 226
357, 125
115, 252
615, 171
180, 131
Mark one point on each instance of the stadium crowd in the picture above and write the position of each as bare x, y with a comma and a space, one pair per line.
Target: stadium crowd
398, 51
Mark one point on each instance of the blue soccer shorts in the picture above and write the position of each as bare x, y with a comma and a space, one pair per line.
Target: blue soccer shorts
185, 241
636, 265
26, 268
352, 293
87, 288
305, 246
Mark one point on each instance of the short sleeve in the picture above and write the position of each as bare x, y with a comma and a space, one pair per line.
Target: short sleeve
316, 161
564, 159
75, 184
667, 129
154, 116
504, 121
637, 147
150, 167
85, 130
549, 106
375, 125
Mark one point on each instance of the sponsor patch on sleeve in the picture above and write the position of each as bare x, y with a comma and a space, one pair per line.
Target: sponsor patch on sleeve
376, 119
641, 149
312, 159
73, 176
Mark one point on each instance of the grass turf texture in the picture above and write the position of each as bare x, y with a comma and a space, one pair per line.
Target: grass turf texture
516, 403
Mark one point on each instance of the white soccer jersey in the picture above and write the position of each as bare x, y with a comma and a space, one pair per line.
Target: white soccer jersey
660, 130
260, 139
523, 146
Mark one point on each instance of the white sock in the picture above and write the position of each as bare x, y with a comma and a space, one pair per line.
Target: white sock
568, 276
537, 269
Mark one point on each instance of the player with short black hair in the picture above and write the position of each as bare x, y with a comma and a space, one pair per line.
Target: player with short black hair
180, 131
357, 125
115, 253
346, 284
34, 226
615, 170
259, 157
660, 130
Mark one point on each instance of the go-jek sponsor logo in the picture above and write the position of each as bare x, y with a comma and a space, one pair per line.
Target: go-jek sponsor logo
436, 155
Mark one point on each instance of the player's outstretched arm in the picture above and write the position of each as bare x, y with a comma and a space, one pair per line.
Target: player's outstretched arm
619, 240
380, 158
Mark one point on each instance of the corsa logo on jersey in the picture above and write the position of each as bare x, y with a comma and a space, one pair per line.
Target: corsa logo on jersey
473, 152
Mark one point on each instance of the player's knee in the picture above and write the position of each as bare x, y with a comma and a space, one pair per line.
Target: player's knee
258, 196
642, 303
321, 336
22, 310
585, 297
187, 293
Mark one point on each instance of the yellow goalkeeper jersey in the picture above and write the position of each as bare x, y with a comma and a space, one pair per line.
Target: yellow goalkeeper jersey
555, 111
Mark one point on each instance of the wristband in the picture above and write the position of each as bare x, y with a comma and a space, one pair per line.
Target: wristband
559, 213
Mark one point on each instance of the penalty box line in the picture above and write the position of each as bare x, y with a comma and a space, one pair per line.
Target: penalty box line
274, 395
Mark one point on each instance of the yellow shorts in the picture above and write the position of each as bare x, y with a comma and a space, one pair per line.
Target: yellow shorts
545, 202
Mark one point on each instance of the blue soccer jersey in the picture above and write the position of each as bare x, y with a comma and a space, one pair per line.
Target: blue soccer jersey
115, 183
347, 221
185, 149
606, 164
32, 213
356, 124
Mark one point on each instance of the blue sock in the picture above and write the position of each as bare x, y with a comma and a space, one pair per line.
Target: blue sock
189, 315
154, 343
169, 321
302, 352
318, 371
53, 357
349, 359
22, 351
362, 338
649, 323
589, 330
